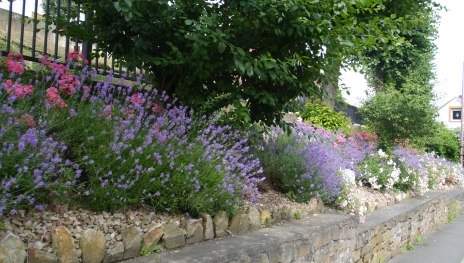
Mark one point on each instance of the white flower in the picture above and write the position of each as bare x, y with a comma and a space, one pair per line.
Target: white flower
382, 154
374, 184
299, 119
362, 210
349, 176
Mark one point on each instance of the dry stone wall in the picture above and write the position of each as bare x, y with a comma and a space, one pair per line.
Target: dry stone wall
328, 237
92, 246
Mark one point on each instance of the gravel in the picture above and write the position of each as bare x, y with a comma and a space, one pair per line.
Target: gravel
34, 228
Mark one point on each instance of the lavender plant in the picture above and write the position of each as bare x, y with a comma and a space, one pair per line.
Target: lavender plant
421, 172
311, 162
108, 146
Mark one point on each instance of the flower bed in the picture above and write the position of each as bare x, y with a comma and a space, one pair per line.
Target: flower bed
105, 147
128, 157
313, 161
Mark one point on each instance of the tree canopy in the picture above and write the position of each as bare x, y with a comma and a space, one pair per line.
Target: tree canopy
402, 75
392, 63
256, 53
52, 7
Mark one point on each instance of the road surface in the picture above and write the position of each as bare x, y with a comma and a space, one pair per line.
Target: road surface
444, 246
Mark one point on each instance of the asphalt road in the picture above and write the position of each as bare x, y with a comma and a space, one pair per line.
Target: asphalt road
443, 246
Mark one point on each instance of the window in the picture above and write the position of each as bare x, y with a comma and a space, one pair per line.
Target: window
455, 113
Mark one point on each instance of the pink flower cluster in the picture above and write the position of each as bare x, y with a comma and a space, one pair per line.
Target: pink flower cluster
28, 120
56, 67
67, 83
156, 108
17, 90
86, 89
54, 98
364, 136
76, 56
363, 139
15, 63
137, 99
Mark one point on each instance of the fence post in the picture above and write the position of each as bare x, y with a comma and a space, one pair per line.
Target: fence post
86, 45
8, 37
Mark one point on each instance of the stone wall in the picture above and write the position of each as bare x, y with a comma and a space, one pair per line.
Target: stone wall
387, 235
328, 237
74, 241
325, 237
16, 22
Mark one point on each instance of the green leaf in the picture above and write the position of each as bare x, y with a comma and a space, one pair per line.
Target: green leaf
240, 65
128, 3
249, 69
116, 6
188, 22
240, 52
221, 47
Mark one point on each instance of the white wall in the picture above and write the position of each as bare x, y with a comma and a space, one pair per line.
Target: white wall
444, 114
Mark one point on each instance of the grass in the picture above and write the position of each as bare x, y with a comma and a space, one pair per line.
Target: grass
144, 251
454, 209
409, 246
418, 240
297, 215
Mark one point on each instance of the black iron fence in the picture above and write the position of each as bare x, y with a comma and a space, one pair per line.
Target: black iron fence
32, 28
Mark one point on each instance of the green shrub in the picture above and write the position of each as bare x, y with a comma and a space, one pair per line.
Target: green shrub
444, 142
400, 116
324, 116
408, 178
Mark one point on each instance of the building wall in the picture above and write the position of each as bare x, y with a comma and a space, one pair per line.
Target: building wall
444, 114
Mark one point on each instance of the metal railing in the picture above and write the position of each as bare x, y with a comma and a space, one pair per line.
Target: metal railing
36, 35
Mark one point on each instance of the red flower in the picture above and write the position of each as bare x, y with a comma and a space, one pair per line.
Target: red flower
17, 90
56, 67
76, 57
68, 83
86, 89
28, 120
54, 99
137, 99
15, 63
156, 108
